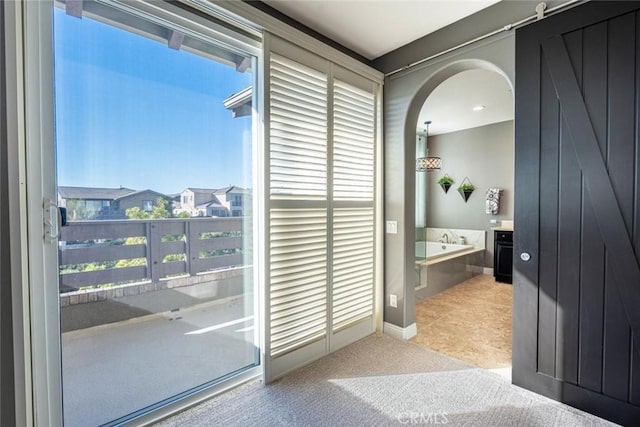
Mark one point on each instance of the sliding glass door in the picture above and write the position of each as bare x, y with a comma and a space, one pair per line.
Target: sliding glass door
154, 141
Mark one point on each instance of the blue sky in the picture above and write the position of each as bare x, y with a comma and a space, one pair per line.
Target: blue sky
132, 112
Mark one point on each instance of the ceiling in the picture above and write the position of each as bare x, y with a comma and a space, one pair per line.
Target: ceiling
450, 105
375, 27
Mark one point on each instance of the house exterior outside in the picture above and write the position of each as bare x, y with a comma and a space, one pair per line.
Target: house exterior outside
89, 203
144, 199
194, 201
213, 209
223, 202
233, 199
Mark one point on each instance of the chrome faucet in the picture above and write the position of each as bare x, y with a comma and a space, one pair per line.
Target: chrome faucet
444, 238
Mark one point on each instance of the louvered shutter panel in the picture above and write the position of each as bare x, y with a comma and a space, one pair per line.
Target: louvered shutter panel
321, 208
353, 266
298, 276
298, 131
353, 142
298, 143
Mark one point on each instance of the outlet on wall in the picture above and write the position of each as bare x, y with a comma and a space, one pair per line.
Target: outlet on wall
393, 300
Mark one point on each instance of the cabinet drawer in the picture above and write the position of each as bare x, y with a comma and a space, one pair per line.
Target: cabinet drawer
502, 255
504, 236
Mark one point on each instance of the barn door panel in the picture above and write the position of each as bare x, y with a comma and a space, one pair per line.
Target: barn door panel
576, 322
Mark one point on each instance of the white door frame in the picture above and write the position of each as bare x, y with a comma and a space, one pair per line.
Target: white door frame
34, 40
44, 316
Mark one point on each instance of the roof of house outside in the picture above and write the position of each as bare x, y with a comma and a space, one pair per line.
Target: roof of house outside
200, 190
240, 103
231, 189
92, 193
238, 99
137, 193
95, 193
214, 203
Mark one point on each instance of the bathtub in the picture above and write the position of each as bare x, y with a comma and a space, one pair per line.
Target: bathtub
432, 250
440, 266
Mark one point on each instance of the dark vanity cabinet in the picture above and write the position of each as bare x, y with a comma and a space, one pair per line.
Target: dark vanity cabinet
503, 256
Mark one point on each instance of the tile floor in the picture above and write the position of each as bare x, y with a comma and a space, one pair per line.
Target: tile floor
471, 322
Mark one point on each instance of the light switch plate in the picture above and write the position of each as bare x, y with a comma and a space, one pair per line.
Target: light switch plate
392, 227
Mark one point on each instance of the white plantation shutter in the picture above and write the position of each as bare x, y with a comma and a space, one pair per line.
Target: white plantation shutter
353, 142
298, 130
298, 276
353, 266
353, 228
321, 207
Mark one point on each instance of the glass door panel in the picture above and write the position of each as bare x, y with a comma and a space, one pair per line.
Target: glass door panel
154, 148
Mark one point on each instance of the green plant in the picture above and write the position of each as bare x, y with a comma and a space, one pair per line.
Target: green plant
445, 180
466, 187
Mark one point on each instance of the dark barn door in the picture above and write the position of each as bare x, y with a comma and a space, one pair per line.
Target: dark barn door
577, 238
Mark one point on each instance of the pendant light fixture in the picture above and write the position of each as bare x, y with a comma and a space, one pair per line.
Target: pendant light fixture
428, 164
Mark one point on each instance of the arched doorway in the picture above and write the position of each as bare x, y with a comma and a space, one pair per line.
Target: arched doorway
461, 310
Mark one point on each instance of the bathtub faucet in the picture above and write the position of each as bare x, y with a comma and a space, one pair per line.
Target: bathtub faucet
444, 238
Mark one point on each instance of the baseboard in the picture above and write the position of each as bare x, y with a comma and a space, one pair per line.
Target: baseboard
400, 333
480, 270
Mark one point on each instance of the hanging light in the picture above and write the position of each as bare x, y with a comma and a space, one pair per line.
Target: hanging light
421, 164
428, 164
433, 163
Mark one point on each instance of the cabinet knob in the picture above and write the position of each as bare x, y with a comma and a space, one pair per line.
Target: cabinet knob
525, 256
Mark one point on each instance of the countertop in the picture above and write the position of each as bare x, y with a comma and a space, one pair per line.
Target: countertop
502, 228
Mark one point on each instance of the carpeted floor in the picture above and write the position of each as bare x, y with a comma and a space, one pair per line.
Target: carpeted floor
471, 322
382, 381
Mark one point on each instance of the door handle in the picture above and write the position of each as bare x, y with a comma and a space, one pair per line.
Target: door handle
53, 221
63, 217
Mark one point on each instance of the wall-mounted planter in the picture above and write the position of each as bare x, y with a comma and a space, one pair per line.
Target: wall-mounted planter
465, 189
465, 194
445, 182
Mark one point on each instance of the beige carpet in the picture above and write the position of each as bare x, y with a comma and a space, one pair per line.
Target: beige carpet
381, 381
471, 322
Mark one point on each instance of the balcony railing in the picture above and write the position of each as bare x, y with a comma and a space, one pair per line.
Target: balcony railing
101, 254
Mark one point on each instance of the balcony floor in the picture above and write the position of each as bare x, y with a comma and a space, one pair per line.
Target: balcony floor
112, 370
